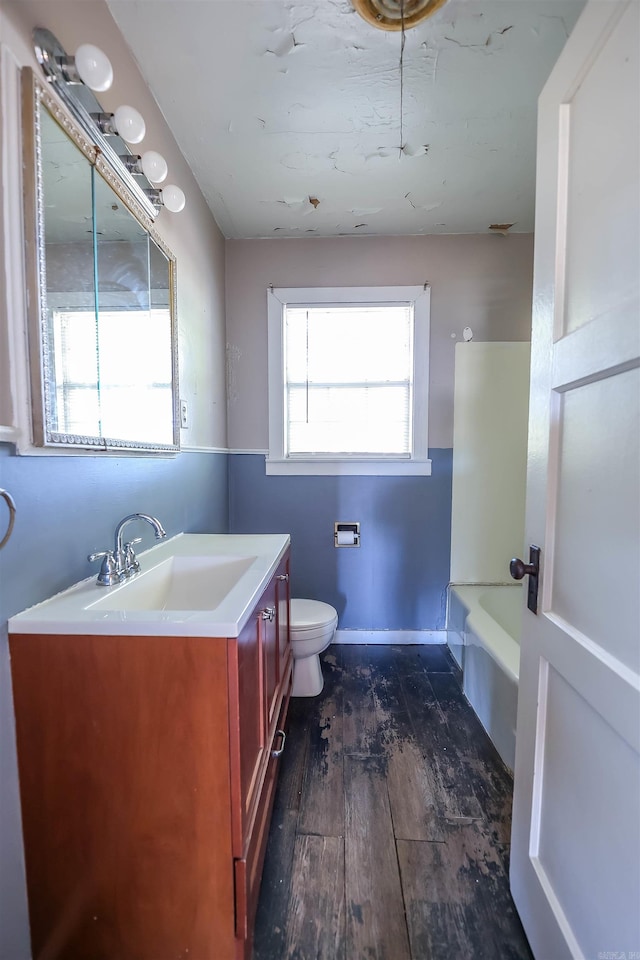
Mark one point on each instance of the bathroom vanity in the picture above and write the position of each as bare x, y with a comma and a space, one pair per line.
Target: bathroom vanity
148, 744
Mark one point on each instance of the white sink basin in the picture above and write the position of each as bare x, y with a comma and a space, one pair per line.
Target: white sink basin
193, 585
179, 583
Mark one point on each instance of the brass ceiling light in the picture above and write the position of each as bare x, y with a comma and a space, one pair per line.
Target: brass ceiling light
396, 14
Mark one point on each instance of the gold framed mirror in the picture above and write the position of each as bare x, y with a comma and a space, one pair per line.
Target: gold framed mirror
102, 319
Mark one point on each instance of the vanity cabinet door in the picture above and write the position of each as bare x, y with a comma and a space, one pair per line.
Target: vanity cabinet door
282, 615
247, 726
269, 615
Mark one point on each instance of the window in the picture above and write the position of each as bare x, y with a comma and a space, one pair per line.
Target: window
113, 369
348, 380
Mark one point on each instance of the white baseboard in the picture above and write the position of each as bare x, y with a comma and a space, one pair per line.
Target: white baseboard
390, 636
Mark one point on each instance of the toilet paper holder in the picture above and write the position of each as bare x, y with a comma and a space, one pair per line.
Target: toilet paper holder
346, 534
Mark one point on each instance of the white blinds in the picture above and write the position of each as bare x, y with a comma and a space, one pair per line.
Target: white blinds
348, 380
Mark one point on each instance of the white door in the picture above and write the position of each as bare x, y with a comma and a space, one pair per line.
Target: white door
575, 858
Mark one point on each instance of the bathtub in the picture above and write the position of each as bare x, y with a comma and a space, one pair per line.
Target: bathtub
483, 632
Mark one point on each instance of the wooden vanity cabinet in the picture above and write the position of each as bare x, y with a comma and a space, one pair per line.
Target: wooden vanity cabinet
259, 734
147, 781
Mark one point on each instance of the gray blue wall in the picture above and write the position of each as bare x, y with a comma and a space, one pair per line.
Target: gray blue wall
396, 579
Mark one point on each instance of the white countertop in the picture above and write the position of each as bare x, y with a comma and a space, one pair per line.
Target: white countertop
72, 612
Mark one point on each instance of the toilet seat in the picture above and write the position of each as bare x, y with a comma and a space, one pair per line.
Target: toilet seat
313, 626
304, 636
310, 616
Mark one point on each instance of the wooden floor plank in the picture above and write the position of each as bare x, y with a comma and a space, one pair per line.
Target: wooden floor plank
410, 783
274, 903
455, 798
294, 761
360, 728
316, 916
430, 658
376, 927
457, 899
322, 800
470, 736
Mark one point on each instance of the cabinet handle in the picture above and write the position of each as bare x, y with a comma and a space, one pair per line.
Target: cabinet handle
268, 613
283, 576
278, 753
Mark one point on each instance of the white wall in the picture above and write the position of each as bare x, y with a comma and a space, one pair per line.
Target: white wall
192, 235
489, 460
478, 281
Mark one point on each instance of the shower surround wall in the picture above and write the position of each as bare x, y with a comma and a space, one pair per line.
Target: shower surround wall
489, 483
397, 579
67, 505
490, 459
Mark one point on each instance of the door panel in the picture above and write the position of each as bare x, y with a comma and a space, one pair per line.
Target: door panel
602, 174
574, 774
575, 856
584, 575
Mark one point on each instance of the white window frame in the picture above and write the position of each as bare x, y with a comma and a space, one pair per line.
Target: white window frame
277, 463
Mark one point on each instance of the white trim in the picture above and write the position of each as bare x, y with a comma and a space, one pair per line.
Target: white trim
9, 434
348, 468
261, 453
395, 637
14, 305
277, 464
195, 449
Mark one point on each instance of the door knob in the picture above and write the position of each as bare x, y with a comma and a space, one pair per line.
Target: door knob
519, 569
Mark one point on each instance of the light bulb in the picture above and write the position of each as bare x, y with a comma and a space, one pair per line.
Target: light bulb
173, 198
154, 166
129, 124
94, 67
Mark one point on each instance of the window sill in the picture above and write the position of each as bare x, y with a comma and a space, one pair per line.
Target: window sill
348, 468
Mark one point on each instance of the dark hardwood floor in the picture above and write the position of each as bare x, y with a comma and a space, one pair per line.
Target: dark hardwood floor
390, 832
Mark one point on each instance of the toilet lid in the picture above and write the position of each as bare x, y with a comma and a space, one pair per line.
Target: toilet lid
311, 613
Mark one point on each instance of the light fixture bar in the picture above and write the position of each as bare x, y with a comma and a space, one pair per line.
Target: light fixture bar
81, 102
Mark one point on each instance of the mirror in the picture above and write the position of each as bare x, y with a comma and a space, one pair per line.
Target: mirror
102, 295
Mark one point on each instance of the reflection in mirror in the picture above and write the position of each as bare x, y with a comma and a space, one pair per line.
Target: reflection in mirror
104, 340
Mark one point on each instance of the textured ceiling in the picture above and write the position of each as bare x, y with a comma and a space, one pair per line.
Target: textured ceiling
289, 111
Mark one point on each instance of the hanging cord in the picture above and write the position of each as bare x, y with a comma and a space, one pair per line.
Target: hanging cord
402, 40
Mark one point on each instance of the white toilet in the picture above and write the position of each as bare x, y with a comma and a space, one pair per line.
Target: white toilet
313, 625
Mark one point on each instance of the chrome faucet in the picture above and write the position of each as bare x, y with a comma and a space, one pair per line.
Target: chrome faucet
121, 563
125, 558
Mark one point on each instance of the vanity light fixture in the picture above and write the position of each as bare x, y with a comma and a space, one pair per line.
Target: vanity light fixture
94, 67
74, 78
173, 198
129, 124
89, 66
126, 122
151, 165
154, 166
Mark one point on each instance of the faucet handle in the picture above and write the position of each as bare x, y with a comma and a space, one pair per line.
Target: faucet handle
131, 562
108, 575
